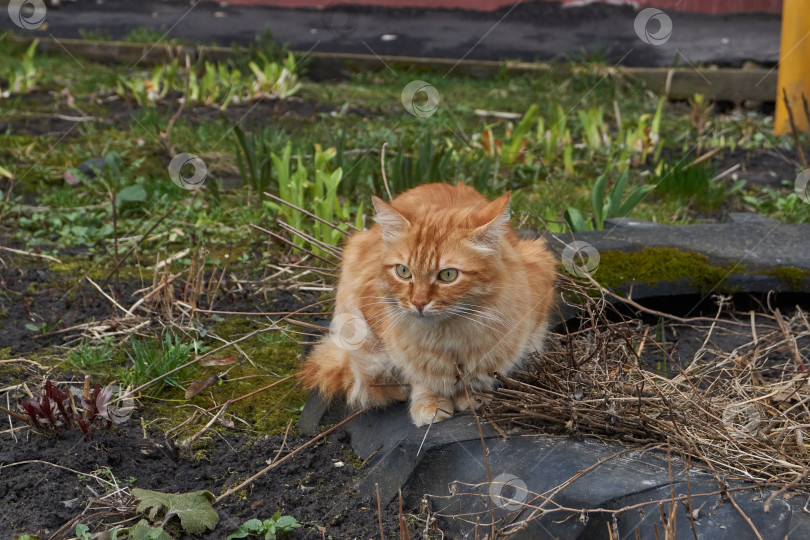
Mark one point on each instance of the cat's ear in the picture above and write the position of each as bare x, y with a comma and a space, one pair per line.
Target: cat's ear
391, 221
493, 220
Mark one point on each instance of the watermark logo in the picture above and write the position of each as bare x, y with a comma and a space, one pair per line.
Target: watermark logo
648, 17
123, 411
508, 491
802, 185
349, 330
413, 101
28, 14
187, 171
337, 19
741, 420
580, 259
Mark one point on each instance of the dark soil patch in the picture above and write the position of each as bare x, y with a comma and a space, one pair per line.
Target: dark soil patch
31, 293
32, 118
47, 115
760, 167
39, 497
254, 114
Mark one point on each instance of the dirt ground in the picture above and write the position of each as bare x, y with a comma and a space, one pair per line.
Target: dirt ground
42, 494
47, 482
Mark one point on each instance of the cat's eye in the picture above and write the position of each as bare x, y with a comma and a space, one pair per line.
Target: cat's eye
448, 275
403, 271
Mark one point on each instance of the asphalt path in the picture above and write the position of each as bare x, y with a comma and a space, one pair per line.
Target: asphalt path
528, 31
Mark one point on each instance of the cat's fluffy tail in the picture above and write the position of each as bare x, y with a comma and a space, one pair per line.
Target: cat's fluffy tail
327, 370
332, 371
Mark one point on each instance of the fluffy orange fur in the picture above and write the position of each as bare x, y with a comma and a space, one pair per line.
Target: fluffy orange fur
403, 329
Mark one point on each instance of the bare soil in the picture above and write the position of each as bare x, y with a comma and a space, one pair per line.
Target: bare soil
40, 483
40, 494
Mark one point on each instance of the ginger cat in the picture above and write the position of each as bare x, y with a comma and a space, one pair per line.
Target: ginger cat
440, 285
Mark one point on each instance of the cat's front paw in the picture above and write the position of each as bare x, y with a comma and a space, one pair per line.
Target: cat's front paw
463, 403
431, 409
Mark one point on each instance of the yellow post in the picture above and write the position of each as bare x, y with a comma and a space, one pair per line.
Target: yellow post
794, 66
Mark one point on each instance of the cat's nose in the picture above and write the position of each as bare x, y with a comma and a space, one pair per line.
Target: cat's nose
419, 305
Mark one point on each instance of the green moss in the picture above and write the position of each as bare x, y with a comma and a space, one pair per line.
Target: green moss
350, 458
13, 372
273, 356
82, 265
651, 265
795, 277
619, 269
201, 450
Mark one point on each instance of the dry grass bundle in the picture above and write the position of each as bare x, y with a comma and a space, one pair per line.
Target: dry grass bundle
741, 411
173, 298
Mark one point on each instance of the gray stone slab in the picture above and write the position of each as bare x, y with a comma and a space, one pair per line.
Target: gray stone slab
451, 472
629, 223
748, 217
754, 244
716, 517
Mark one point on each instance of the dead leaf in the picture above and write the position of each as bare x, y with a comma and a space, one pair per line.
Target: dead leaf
198, 386
69, 99
491, 145
218, 361
786, 396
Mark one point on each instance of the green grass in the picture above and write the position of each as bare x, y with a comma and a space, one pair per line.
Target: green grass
552, 161
151, 358
89, 357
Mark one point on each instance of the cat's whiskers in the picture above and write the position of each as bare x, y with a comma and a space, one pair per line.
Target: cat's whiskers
388, 318
390, 303
391, 325
476, 312
484, 316
479, 307
481, 312
477, 321
488, 306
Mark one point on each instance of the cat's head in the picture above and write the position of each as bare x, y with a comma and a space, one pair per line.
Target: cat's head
443, 262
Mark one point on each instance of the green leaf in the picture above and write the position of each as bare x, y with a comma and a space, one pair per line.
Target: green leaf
247, 528
738, 185
632, 201
133, 193
144, 531
82, 531
616, 195
287, 523
598, 200
194, 509
358, 221
576, 220
520, 132
32, 327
